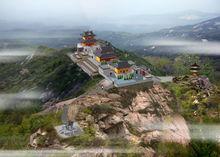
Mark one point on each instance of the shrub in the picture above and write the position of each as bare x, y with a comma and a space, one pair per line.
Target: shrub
204, 148
102, 108
171, 149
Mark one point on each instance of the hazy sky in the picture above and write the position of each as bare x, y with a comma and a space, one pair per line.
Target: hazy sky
39, 10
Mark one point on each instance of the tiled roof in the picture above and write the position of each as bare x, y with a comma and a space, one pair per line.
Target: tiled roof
89, 41
105, 55
195, 65
107, 49
123, 64
88, 33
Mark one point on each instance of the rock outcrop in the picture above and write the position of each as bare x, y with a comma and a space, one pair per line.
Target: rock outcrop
197, 83
147, 119
41, 139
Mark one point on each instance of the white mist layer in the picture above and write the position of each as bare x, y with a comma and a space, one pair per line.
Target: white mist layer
8, 56
186, 46
8, 101
205, 132
15, 53
209, 132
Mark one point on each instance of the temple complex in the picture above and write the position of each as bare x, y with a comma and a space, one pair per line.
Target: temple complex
97, 57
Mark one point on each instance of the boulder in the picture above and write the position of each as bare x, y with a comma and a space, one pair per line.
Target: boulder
176, 130
142, 122
90, 119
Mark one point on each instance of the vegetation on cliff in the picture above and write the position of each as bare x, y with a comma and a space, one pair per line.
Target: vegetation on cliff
179, 65
49, 71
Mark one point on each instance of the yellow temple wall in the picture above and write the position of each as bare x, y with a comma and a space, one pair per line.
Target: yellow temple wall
123, 70
98, 59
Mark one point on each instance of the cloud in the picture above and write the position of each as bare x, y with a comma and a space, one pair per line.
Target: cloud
8, 101
15, 53
75, 152
197, 131
10, 59
194, 47
8, 56
190, 17
205, 132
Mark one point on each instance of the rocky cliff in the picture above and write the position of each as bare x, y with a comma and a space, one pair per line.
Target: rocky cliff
141, 117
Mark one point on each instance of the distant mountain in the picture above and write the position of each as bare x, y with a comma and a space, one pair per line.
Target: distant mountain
59, 37
150, 23
145, 23
149, 43
209, 30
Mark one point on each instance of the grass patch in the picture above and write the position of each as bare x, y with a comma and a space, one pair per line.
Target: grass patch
85, 140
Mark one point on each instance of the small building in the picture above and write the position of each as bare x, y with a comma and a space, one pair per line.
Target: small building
123, 70
194, 69
122, 67
80, 47
141, 70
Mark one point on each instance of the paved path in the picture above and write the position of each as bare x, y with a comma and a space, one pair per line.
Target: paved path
85, 64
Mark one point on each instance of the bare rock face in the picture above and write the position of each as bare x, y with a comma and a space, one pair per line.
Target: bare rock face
143, 99
151, 136
176, 130
154, 120
142, 122
114, 96
147, 119
90, 119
